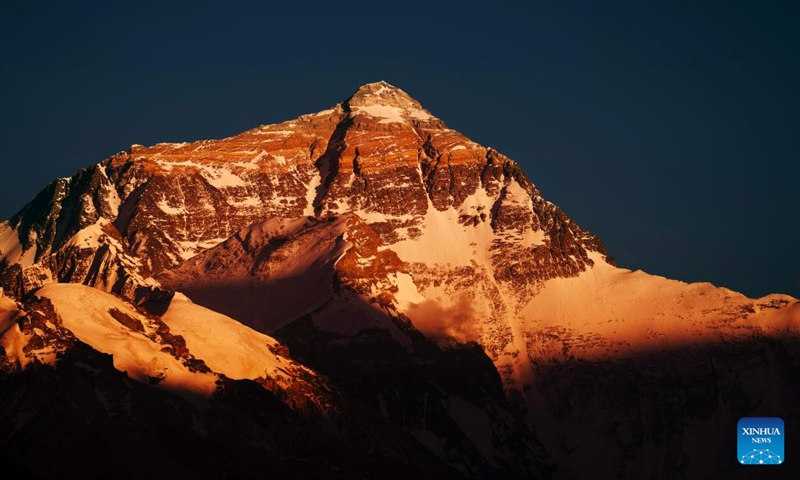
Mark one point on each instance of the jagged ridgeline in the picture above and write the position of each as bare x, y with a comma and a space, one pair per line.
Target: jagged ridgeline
409, 285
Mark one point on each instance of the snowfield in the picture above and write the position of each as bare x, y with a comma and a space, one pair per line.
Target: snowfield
226, 346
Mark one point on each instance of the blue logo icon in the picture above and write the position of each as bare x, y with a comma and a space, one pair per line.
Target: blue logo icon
761, 441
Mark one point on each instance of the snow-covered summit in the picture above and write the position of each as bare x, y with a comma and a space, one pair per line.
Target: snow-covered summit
387, 103
381, 92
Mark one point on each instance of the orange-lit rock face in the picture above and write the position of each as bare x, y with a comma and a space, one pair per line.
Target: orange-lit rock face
196, 195
379, 153
366, 268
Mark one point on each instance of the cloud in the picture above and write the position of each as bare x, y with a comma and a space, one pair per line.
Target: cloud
446, 324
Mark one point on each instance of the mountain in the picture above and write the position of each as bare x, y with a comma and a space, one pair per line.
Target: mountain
399, 274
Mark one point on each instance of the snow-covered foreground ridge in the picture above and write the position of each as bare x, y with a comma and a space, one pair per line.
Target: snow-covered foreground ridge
186, 351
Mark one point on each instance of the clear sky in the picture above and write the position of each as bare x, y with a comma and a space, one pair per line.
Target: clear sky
670, 129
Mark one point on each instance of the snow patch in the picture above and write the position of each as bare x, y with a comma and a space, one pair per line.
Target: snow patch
532, 238
516, 194
365, 261
407, 293
311, 193
220, 177
252, 164
391, 114
88, 237
387, 113
188, 248
226, 345
11, 249
245, 202
370, 217
445, 241
11, 338
281, 133
379, 91
420, 115
165, 207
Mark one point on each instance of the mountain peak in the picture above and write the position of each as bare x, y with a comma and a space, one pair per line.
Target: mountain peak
386, 102
381, 93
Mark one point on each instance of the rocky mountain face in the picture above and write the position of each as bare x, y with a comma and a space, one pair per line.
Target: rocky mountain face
418, 281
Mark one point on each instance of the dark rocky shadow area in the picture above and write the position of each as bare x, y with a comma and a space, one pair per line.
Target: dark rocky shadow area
424, 412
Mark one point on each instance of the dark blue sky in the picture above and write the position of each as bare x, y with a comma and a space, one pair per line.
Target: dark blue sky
670, 129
